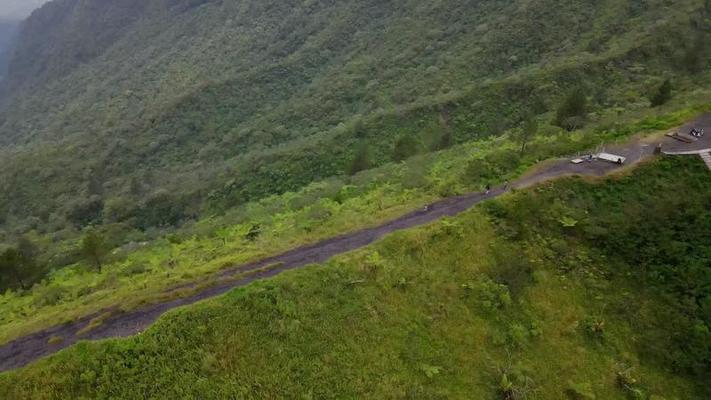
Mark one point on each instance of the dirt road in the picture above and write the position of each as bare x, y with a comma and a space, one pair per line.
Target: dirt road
24, 350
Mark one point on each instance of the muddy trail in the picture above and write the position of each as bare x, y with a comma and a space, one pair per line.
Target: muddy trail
25, 350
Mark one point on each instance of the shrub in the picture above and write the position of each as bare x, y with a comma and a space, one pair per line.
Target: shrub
512, 270
318, 212
503, 161
594, 327
254, 232
49, 296
374, 262
14, 268
134, 268
506, 387
514, 384
110, 281
94, 248
478, 170
491, 296
430, 371
630, 384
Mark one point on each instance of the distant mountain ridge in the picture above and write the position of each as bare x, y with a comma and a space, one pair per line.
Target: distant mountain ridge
65, 33
18, 9
8, 29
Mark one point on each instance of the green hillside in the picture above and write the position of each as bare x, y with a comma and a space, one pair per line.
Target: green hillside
148, 146
154, 113
134, 274
565, 291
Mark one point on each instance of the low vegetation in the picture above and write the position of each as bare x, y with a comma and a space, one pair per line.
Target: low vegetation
572, 275
139, 272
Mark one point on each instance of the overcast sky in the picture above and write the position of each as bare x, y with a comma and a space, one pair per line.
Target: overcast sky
18, 9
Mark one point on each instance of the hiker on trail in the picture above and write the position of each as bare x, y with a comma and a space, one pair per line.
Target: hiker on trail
506, 185
488, 188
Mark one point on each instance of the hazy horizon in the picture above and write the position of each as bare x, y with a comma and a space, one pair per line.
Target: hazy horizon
18, 9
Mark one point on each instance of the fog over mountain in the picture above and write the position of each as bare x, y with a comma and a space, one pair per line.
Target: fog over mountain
12, 12
18, 9
7, 33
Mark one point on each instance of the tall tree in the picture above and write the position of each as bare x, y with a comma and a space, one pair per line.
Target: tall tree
94, 249
11, 266
528, 132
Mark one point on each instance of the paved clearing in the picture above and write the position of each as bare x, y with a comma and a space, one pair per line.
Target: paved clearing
23, 351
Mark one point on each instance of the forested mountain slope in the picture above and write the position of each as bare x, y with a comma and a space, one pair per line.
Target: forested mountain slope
152, 113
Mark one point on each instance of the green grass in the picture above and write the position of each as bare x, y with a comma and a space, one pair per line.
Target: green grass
442, 311
140, 275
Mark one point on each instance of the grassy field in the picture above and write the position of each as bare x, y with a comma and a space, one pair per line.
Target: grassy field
140, 273
568, 290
